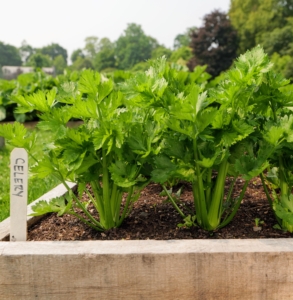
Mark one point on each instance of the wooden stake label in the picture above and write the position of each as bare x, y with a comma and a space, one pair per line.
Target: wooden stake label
18, 194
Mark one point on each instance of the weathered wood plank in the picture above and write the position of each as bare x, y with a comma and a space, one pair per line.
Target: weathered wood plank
56, 192
190, 269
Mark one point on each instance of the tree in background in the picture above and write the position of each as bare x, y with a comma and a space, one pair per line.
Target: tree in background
97, 54
181, 55
9, 55
215, 44
25, 51
161, 51
253, 19
48, 56
60, 64
81, 63
280, 40
133, 46
54, 50
105, 57
283, 64
91, 47
76, 54
183, 39
268, 23
39, 60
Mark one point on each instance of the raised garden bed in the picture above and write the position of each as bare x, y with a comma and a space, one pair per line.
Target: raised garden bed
145, 269
165, 129
190, 269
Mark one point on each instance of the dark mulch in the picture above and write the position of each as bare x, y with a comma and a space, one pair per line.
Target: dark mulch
153, 217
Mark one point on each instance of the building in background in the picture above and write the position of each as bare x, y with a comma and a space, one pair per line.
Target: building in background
11, 72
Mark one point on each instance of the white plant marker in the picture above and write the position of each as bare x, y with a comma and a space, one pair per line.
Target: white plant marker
18, 194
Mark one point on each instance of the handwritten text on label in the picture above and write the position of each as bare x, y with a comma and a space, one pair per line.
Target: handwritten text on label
18, 177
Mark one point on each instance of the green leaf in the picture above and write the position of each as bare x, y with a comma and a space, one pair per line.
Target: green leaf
273, 176
40, 100
44, 168
84, 109
251, 164
185, 173
24, 106
51, 97
81, 188
89, 82
58, 205
19, 117
287, 202
68, 92
50, 164
136, 140
17, 135
71, 155
76, 136
142, 138
229, 137
105, 88
250, 167
207, 162
54, 126
242, 128
159, 86
173, 147
189, 221
205, 118
273, 135
101, 135
284, 214
239, 131
165, 169
184, 128
87, 162
202, 102
123, 174
222, 118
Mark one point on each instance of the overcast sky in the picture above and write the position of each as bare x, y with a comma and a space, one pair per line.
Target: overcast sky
69, 22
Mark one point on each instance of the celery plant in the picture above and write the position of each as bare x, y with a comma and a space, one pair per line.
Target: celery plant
279, 177
208, 137
273, 109
95, 154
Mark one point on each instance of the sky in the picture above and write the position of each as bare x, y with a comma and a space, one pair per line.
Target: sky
69, 22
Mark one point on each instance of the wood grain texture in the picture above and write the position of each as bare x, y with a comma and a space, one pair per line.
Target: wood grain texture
190, 269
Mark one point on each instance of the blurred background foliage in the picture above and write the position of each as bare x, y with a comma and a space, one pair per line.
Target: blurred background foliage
215, 44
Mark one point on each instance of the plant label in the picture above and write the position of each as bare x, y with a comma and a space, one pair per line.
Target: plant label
18, 194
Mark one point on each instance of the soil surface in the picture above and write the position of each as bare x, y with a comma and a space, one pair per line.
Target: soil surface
153, 217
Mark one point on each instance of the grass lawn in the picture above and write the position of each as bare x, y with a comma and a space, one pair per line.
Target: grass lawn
36, 187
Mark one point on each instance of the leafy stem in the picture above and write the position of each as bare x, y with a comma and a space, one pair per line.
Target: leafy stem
173, 202
80, 205
236, 206
266, 190
130, 192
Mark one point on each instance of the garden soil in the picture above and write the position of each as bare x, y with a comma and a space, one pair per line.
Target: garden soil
153, 217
